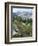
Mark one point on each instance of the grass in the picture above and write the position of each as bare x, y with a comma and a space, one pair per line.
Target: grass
23, 28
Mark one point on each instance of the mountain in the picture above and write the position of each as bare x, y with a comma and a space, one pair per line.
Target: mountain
26, 13
23, 15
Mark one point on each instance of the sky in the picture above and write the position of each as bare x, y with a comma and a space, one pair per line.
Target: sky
21, 10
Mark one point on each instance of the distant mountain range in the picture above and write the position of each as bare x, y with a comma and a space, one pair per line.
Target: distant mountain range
23, 15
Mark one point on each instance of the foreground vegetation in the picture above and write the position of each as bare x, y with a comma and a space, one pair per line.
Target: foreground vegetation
23, 28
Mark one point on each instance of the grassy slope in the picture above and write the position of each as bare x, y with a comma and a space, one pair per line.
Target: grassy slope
25, 27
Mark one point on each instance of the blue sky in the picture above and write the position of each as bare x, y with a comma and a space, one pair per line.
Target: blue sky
21, 10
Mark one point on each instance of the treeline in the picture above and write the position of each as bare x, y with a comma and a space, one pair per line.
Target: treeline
18, 18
